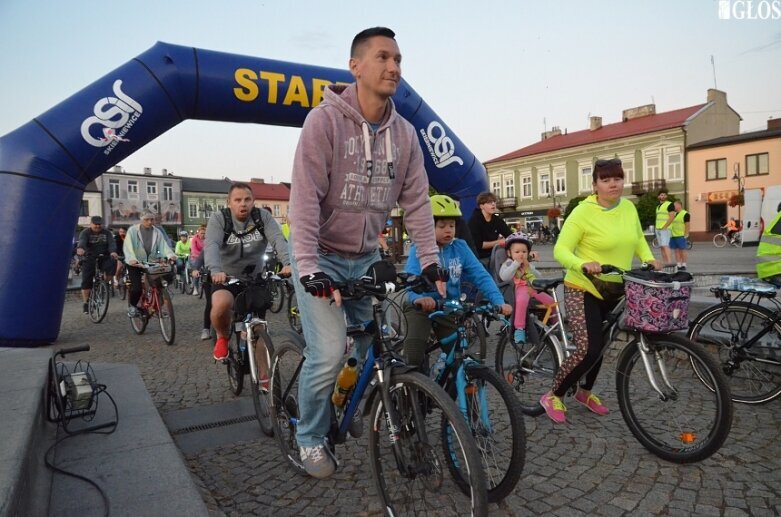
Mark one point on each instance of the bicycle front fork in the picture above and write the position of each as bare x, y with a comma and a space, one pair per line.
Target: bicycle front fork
650, 355
465, 389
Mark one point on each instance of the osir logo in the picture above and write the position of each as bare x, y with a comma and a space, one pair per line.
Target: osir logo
439, 145
112, 113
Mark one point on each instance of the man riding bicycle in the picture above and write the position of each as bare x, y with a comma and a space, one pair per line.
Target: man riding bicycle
143, 243
95, 241
236, 240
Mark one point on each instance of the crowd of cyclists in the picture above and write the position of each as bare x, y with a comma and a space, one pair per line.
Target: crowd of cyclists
335, 238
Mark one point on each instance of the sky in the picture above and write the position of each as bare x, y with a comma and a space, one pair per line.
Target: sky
499, 73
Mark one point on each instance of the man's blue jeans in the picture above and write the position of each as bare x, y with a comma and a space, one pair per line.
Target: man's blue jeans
325, 334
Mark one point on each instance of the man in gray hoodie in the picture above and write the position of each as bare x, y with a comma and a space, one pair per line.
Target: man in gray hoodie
356, 159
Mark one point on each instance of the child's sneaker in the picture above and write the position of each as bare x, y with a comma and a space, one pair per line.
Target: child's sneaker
592, 402
554, 407
520, 336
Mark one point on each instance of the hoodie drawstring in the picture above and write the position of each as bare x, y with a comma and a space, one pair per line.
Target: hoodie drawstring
367, 150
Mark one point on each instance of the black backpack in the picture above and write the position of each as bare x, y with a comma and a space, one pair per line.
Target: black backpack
257, 224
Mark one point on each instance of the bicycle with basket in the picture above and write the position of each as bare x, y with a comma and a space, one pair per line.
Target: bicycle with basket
672, 395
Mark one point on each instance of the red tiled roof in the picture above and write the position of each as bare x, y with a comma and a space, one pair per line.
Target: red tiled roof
270, 191
637, 126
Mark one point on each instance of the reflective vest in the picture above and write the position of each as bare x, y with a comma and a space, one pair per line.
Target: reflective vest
662, 213
769, 250
678, 226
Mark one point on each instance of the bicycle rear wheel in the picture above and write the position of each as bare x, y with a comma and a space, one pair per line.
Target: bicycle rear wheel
719, 240
165, 315
754, 374
528, 367
431, 432
98, 301
277, 296
285, 370
261, 396
691, 421
494, 415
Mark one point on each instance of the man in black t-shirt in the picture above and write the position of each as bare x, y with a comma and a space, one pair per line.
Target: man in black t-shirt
487, 228
95, 241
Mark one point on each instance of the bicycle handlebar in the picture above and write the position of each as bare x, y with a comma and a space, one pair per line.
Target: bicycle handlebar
355, 289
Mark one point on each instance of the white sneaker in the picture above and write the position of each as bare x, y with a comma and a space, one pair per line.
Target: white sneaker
205, 334
318, 461
195, 291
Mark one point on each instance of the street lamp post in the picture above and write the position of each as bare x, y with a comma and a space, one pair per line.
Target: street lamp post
736, 177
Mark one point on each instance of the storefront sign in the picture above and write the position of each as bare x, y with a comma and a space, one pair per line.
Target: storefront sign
722, 196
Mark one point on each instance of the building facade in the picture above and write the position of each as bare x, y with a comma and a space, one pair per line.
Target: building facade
273, 196
127, 195
532, 180
721, 168
200, 199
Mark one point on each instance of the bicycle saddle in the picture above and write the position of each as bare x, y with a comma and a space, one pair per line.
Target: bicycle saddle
543, 284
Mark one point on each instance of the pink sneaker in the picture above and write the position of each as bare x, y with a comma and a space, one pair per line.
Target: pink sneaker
592, 402
554, 407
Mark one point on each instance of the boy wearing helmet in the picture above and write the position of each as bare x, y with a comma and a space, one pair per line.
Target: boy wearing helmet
461, 263
518, 268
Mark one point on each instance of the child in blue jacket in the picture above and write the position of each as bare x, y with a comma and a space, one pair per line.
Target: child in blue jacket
460, 263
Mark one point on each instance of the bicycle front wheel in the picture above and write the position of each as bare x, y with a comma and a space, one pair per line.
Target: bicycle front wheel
494, 415
293, 318
259, 380
165, 315
408, 463
277, 297
719, 240
528, 367
286, 366
690, 421
98, 301
753, 373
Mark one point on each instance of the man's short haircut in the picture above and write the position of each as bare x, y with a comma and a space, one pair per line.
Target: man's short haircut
485, 197
363, 36
662, 191
240, 184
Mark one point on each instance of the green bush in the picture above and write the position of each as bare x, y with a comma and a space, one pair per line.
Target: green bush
575, 201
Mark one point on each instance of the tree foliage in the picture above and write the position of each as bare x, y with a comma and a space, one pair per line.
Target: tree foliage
575, 201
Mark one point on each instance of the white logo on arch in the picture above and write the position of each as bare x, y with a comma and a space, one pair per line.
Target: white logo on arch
440, 146
116, 116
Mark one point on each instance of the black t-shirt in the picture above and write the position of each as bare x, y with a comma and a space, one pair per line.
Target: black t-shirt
486, 231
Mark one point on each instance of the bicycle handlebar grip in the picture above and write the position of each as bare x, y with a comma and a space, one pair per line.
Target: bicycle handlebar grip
63, 351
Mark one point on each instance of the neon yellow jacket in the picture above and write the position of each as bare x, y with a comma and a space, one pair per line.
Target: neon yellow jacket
678, 228
769, 249
593, 233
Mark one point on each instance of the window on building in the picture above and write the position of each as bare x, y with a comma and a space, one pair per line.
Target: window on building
509, 187
586, 179
496, 187
113, 189
560, 181
276, 211
193, 210
168, 191
544, 189
628, 164
653, 171
151, 188
84, 208
716, 169
757, 164
132, 189
674, 167
526, 186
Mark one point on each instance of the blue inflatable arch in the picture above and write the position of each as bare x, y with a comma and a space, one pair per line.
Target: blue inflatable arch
46, 164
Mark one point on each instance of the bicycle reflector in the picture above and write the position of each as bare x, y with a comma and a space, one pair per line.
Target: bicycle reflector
687, 437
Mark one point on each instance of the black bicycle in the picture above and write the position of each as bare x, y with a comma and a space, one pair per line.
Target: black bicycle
99, 296
415, 430
251, 349
745, 336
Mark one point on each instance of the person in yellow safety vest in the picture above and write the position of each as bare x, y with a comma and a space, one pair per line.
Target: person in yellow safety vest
665, 213
769, 251
679, 232
285, 227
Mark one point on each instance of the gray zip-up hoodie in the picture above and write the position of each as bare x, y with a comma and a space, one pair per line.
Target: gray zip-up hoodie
347, 178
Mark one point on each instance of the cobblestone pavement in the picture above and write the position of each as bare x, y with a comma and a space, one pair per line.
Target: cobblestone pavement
591, 465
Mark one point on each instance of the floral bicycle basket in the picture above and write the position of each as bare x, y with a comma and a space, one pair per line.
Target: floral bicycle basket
657, 302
